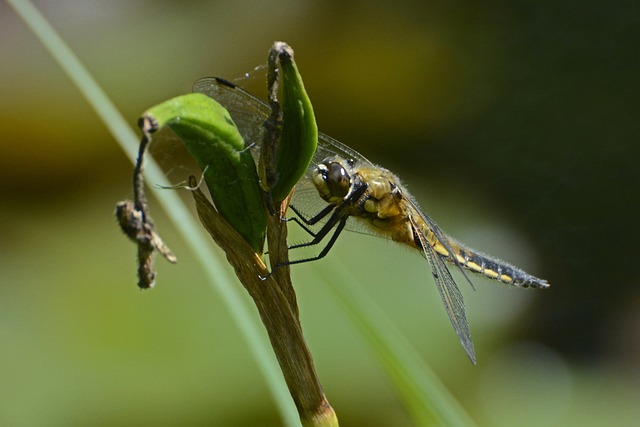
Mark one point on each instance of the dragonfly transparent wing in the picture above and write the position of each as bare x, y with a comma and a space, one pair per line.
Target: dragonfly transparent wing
249, 114
247, 111
449, 292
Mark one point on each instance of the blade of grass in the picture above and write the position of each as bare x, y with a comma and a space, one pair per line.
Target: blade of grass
428, 400
213, 264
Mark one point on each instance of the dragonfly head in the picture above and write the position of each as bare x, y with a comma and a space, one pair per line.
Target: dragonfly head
332, 180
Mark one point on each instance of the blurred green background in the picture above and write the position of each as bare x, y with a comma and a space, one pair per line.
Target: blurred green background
515, 125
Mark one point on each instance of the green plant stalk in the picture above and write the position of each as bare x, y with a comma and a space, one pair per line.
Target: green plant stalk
216, 270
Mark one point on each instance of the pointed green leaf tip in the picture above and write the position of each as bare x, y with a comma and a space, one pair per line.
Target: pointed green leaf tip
299, 129
211, 137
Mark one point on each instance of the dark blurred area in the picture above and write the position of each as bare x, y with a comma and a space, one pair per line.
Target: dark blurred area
562, 136
557, 147
531, 108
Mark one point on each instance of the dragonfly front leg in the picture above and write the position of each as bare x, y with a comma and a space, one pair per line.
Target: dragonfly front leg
301, 220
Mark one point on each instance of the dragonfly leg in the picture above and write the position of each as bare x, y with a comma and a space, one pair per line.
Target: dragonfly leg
302, 225
302, 221
342, 222
326, 228
314, 219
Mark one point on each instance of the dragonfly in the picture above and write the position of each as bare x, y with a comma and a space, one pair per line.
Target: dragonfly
349, 188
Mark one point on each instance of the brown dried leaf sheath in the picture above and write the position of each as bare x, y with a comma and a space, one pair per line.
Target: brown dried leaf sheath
275, 299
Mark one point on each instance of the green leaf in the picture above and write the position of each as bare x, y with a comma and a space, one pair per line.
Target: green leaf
299, 129
212, 138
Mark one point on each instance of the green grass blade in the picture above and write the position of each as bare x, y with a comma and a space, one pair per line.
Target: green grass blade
213, 265
429, 402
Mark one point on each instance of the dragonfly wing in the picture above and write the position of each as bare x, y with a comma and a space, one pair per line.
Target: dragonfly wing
249, 114
247, 111
449, 292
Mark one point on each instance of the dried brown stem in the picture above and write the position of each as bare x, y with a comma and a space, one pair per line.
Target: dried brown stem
275, 299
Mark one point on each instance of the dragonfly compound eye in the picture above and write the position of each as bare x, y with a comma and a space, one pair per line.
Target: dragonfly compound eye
338, 180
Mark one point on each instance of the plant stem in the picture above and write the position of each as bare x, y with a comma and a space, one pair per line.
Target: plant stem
274, 298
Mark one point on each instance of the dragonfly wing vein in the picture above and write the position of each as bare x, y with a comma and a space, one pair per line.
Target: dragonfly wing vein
449, 293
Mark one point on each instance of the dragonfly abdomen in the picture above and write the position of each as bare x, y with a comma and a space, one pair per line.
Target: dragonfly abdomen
493, 268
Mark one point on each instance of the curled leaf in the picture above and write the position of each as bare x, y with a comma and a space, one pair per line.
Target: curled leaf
299, 131
212, 138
